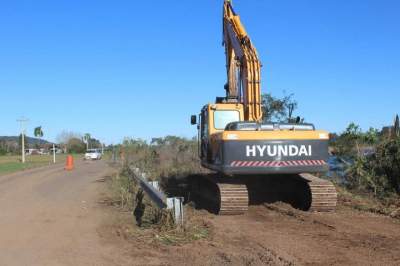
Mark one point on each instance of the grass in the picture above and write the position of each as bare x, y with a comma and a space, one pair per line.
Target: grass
389, 206
155, 225
12, 163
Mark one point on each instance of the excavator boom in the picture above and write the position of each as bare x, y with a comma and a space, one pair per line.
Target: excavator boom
243, 65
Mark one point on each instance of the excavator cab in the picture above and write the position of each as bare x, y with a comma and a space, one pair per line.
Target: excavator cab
213, 120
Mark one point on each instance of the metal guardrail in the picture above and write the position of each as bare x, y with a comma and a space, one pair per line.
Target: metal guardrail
155, 195
158, 197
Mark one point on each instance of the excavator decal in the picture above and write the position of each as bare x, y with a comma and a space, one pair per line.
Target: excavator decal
278, 150
277, 163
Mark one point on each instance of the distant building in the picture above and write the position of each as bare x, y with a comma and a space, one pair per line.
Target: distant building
388, 131
57, 149
41, 151
32, 152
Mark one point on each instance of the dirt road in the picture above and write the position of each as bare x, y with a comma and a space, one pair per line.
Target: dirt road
50, 217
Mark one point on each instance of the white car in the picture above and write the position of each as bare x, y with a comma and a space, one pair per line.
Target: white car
93, 154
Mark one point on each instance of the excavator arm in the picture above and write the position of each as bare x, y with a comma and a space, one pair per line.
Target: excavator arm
243, 65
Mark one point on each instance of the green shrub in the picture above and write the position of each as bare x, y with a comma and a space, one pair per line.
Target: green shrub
168, 156
380, 172
3, 152
129, 196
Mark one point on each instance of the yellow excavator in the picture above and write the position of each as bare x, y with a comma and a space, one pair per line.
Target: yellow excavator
253, 159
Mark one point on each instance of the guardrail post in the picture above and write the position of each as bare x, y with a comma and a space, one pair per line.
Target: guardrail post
152, 188
176, 205
155, 185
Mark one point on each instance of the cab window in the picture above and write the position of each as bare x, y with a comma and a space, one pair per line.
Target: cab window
224, 117
204, 124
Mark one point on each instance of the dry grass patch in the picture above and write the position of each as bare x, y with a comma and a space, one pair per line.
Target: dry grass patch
141, 221
389, 206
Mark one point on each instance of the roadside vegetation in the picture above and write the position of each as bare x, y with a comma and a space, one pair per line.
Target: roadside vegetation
147, 222
165, 160
167, 156
373, 167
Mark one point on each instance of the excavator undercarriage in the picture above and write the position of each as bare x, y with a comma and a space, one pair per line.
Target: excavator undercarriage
233, 195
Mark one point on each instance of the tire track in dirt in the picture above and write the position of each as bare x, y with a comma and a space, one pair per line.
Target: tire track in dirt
51, 217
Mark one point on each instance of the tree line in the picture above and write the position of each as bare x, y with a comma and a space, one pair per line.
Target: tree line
70, 142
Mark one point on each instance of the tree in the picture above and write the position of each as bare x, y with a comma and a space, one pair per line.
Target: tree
351, 138
38, 132
3, 149
371, 137
353, 134
76, 145
396, 130
64, 138
276, 109
95, 143
157, 141
379, 172
86, 139
66, 135
387, 162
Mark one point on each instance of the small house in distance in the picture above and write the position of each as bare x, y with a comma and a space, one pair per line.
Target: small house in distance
388, 131
392, 131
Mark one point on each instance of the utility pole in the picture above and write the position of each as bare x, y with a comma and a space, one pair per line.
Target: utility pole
87, 138
54, 153
22, 122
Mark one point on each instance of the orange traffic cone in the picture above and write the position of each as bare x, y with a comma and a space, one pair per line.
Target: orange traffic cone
70, 163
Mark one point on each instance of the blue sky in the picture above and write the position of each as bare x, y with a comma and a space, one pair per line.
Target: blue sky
141, 68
